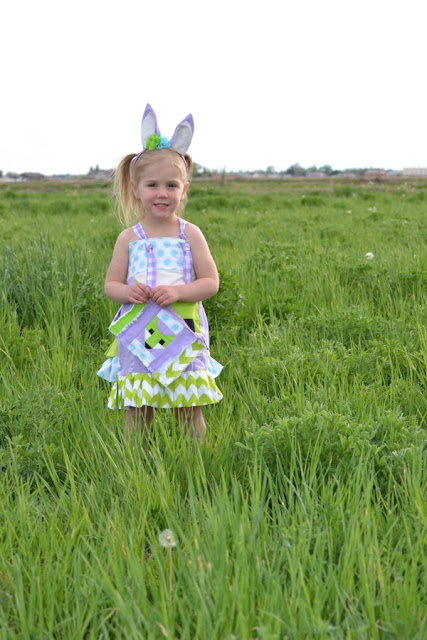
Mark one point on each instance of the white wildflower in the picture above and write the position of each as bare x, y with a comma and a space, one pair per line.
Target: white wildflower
167, 539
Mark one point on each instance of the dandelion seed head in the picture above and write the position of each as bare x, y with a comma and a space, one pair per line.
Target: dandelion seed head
167, 539
369, 256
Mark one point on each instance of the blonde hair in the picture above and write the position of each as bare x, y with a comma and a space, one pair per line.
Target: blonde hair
129, 208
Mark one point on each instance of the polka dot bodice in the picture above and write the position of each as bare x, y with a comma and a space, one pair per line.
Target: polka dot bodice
168, 253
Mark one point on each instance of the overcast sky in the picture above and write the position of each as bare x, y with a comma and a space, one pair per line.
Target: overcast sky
269, 83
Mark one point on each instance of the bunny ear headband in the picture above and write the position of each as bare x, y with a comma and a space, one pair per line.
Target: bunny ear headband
151, 138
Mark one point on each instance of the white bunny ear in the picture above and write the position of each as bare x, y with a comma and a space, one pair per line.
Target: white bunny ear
149, 124
183, 135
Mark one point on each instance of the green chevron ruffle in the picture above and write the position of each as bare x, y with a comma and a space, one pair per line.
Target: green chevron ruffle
192, 389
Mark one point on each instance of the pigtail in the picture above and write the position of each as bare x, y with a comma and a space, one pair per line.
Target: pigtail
128, 207
189, 163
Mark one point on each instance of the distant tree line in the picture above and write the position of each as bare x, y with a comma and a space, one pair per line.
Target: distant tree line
28, 175
294, 170
297, 170
199, 171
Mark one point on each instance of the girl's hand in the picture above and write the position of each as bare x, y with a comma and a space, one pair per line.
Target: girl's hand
139, 293
164, 295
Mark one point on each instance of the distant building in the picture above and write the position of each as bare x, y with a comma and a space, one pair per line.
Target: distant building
415, 171
100, 174
315, 174
31, 175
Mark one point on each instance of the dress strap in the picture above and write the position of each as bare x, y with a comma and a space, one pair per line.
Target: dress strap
139, 231
188, 258
151, 260
182, 224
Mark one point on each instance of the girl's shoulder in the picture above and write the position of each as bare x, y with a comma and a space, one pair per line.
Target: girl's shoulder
192, 232
196, 239
123, 241
127, 235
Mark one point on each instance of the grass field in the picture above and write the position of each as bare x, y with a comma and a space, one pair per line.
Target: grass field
305, 517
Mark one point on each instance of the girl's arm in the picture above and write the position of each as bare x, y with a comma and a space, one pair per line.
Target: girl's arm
115, 281
207, 280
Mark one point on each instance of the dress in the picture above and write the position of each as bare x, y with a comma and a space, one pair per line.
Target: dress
157, 261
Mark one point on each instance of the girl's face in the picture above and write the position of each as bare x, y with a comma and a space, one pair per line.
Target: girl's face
161, 187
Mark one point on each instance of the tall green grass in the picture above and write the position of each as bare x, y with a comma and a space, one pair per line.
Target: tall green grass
305, 516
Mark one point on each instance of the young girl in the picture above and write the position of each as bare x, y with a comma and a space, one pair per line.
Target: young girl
160, 272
